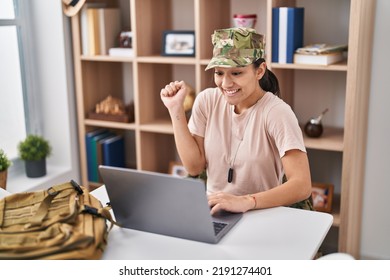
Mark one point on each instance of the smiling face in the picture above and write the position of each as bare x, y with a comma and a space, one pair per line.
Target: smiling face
240, 85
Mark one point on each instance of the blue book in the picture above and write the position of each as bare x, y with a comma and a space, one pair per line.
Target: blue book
95, 155
275, 34
287, 28
89, 149
114, 151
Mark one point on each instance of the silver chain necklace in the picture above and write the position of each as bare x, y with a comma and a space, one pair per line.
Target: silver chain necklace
231, 164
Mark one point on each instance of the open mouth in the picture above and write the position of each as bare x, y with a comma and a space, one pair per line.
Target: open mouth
231, 92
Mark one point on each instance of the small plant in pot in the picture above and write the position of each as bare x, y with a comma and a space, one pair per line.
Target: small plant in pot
34, 150
4, 164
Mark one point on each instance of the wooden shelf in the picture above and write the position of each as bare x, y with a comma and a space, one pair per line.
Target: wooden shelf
166, 59
342, 66
107, 124
205, 62
332, 139
350, 139
107, 58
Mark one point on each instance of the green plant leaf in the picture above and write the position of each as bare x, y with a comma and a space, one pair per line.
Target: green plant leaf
34, 147
4, 161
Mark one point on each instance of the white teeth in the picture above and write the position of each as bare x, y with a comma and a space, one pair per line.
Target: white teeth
231, 91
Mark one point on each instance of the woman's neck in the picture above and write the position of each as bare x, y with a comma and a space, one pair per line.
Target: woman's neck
249, 102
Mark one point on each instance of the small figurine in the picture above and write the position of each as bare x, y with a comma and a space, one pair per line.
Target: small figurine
313, 127
110, 106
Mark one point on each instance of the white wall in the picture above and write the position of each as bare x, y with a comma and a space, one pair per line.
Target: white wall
375, 241
53, 86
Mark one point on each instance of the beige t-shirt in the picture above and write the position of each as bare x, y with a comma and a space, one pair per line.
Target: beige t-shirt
252, 143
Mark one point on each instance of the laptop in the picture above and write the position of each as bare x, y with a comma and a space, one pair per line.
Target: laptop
164, 204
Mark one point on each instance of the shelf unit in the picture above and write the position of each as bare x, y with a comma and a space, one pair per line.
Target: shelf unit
350, 139
149, 139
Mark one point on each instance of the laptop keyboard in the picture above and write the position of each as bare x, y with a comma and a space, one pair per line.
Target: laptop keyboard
218, 227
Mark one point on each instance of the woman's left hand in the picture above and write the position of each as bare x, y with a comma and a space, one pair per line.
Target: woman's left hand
228, 202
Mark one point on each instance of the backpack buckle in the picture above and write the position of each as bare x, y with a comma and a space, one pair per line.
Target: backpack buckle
76, 187
90, 210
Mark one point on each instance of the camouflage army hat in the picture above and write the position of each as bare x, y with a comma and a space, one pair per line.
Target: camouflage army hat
235, 47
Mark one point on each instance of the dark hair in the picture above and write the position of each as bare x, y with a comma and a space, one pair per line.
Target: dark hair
268, 82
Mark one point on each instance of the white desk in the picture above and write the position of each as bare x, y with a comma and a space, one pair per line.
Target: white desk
277, 233
3, 193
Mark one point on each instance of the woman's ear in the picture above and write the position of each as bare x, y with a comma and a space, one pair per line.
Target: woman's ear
260, 71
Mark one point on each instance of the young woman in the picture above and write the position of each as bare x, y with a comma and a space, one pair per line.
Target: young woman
241, 132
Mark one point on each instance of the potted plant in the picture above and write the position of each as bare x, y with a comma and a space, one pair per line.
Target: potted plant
34, 150
4, 164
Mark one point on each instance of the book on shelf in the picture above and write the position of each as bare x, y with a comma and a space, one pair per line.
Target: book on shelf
84, 25
93, 31
109, 28
287, 33
320, 54
84, 30
99, 153
113, 150
103, 147
100, 28
91, 151
110, 151
95, 152
126, 52
316, 49
318, 59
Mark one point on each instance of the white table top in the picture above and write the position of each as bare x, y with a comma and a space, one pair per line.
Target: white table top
273, 234
3, 193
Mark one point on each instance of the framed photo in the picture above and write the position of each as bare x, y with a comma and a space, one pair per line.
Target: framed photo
126, 39
177, 169
178, 43
322, 195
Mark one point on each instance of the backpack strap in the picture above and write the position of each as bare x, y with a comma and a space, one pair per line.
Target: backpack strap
103, 212
43, 208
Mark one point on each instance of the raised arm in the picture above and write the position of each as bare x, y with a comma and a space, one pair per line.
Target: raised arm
190, 147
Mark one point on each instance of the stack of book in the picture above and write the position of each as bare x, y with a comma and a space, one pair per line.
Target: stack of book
103, 148
320, 54
124, 52
100, 28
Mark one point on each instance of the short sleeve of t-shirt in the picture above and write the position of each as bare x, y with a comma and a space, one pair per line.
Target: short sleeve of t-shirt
283, 127
200, 111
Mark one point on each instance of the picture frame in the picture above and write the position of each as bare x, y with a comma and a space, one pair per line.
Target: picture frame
126, 39
177, 169
322, 195
178, 43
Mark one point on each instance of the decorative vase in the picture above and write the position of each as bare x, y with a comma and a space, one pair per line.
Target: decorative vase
3, 179
35, 168
313, 127
245, 20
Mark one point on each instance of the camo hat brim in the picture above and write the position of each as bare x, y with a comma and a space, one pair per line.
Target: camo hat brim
236, 47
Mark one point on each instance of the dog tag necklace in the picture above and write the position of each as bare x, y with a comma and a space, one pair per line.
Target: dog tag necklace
231, 164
